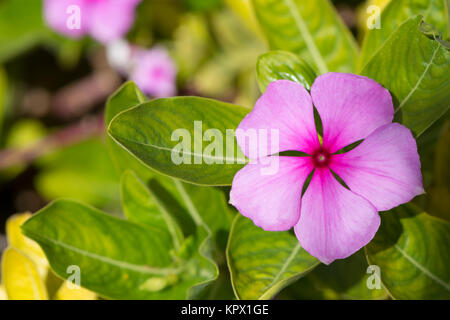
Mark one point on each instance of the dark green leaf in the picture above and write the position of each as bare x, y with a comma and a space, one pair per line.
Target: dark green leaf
415, 69
125, 98
394, 15
262, 263
159, 131
411, 249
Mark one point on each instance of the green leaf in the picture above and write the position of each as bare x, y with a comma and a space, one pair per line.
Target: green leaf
311, 29
411, 249
343, 279
125, 98
199, 247
394, 15
197, 209
262, 263
282, 65
142, 206
415, 70
209, 203
159, 131
115, 257
21, 26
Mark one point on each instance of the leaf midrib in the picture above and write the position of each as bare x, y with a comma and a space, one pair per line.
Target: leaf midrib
284, 266
117, 263
307, 37
419, 81
223, 159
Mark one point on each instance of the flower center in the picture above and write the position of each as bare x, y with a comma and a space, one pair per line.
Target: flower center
321, 158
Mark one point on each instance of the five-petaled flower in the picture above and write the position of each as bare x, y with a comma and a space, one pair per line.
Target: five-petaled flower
330, 221
104, 20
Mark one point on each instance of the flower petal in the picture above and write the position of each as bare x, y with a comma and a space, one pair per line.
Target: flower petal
58, 15
351, 107
285, 107
384, 168
271, 199
111, 20
155, 72
334, 222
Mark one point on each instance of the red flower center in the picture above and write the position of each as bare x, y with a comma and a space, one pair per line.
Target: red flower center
321, 158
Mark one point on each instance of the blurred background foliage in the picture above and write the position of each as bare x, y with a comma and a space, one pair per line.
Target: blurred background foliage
53, 90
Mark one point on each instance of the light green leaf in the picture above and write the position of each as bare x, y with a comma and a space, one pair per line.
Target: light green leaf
411, 249
415, 70
394, 15
262, 263
115, 257
155, 206
311, 29
172, 136
283, 65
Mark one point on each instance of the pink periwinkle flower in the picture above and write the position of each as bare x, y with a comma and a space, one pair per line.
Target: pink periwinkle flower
330, 221
104, 20
154, 72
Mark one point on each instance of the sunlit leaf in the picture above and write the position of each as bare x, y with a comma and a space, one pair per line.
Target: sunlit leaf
282, 65
114, 257
311, 29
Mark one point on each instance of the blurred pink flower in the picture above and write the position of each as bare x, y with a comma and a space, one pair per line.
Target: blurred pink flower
330, 221
154, 72
104, 20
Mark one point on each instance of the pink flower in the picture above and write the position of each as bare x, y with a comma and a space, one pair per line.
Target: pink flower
154, 72
104, 20
330, 221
